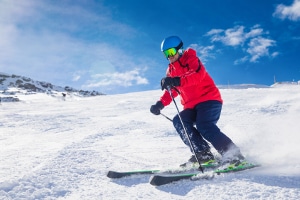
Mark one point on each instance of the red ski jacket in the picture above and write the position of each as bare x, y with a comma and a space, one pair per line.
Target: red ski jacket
196, 85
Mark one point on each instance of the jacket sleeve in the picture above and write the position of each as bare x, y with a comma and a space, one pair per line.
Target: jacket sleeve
166, 98
196, 70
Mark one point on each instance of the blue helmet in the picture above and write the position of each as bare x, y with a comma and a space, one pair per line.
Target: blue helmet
171, 42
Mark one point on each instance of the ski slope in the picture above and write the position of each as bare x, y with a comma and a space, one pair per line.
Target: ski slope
62, 149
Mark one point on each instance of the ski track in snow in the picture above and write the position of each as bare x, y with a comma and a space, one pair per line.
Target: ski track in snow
54, 149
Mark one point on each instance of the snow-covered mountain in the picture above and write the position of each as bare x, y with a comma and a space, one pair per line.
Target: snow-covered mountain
13, 85
53, 149
242, 86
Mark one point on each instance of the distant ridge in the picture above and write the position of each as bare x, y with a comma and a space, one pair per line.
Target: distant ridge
283, 83
13, 84
242, 86
247, 86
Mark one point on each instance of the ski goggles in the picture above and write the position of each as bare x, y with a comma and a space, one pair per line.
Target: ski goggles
170, 52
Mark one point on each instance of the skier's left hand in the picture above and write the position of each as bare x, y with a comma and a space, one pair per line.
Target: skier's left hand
169, 82
156, 108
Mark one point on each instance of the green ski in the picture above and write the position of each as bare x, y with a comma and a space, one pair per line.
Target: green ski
162, 179
115, 174
118, 174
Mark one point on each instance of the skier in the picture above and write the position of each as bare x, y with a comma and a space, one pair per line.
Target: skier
202, 104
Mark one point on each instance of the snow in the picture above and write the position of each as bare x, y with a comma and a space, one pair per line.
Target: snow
62, 149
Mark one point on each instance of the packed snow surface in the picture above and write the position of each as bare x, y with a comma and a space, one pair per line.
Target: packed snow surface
62, 149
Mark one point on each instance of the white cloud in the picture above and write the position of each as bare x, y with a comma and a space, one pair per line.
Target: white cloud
252, 42
232, 37
291, 12
124, 79
45, 41
241, 60
255, 31
204, 52
275, 54
259, 47
214, 31
76, 76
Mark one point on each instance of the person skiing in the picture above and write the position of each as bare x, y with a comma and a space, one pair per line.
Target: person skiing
187, 77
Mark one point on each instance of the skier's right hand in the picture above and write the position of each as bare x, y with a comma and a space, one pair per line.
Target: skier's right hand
155, 109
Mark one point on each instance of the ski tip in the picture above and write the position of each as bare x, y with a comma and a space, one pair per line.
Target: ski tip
113, 174
157, 180
110, 174
152, 181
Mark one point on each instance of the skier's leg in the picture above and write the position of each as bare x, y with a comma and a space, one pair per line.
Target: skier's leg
188, 117
208, 114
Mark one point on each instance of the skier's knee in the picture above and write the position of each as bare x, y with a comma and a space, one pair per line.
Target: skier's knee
206, 128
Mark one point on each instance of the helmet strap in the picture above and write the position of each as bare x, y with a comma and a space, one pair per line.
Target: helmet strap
179, 46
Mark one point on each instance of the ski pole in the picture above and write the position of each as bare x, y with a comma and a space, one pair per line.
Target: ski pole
186, 134
166, 117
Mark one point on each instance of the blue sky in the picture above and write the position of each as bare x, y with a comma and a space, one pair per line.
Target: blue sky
113, 46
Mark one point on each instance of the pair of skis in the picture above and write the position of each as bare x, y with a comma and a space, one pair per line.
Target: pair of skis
160, 177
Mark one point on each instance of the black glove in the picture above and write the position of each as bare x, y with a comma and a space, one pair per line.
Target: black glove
155, 109
169, 82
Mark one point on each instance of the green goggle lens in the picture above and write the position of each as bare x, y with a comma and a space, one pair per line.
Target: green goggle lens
170, 52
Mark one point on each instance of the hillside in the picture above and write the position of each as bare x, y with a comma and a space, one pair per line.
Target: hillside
53, 149
13, 85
